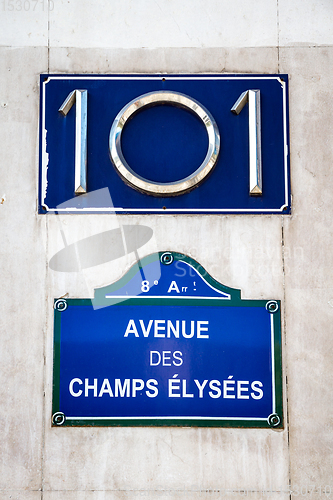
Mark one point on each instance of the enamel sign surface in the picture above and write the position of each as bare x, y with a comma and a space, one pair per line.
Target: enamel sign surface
164, 143
167, 345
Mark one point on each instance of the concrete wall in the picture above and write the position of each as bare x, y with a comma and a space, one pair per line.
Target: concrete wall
282, 257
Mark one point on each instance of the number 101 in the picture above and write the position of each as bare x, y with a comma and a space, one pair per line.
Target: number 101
80, 99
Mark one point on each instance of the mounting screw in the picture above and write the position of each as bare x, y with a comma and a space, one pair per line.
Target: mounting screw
273, 420
60, 305
167, 258
58, 418
272, 306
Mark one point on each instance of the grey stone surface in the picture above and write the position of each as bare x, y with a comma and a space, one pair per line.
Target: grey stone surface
248, 255
194, 493
164, 23
22, 305
20, 495
309, 356
305, 23
309, 280
310, 127
143, 458
174, 60
24, 23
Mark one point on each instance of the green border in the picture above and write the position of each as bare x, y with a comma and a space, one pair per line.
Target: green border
234, 301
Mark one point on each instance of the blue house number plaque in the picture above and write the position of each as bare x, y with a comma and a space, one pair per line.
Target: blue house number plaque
167, 345
164, 143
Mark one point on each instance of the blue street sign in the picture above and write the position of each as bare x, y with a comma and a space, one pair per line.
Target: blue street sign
164, 143
167, 345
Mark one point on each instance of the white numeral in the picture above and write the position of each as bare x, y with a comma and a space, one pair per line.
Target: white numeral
145, 286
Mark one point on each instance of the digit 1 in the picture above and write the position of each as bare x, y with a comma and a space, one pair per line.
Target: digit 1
80, 98
253, 98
